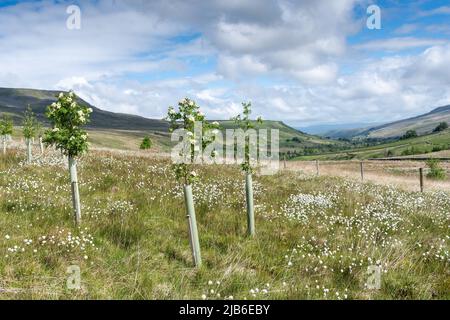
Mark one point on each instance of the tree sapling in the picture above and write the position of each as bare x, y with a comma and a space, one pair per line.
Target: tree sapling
186, 119
29, 131
6, 129
244, 122
66, 117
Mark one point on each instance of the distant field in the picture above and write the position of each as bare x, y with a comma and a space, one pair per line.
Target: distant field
290, 138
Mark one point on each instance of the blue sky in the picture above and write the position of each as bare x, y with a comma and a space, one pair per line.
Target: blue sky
303, 62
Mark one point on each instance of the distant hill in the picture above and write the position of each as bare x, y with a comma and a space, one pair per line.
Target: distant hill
15, 101
290, 138
335, 130
428, 145
422, 124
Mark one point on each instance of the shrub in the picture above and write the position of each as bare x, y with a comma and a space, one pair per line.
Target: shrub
409, 134
146, 143
436, 171
442, 126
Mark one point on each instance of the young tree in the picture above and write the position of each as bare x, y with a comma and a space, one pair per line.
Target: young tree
6, 129
29, 131
244, 122
146, 143
66, 117
40, 133
186, 118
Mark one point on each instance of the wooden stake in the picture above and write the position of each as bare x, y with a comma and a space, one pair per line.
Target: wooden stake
317, 168
285, 161
362, 170
421, 179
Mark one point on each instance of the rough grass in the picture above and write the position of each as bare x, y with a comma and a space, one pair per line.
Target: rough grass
315, 238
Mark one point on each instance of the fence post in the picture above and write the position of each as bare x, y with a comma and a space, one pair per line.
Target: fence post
421, 179
285, 161
361, 164
317, 167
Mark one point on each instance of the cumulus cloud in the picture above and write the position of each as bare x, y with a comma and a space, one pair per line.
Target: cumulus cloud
291, 58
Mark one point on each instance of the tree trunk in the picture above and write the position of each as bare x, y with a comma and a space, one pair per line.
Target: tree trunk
192, 222
29, 155
75, 191
250, 211
41, 145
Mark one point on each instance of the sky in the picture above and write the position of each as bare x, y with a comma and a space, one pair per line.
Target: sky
303, 62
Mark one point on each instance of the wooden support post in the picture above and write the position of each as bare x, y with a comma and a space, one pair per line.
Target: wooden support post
421, 179
361, 164
317, 168
285, 161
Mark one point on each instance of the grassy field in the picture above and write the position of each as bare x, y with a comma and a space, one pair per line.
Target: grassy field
316, 236
427, 144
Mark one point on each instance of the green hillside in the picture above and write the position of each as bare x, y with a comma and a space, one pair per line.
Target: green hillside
290, 139
425, 144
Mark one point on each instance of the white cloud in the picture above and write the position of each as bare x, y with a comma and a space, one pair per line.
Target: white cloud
444, 10
406, 28
397, 44
288, 57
